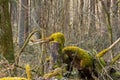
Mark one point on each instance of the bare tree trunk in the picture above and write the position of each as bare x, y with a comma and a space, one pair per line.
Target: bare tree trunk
106, 7
92, 26
114, 17
22, 21
115, 23
14, 19
81, 18
13, 12
43, 55
6, 38
26, 18
71, 13
65, 19
91, 23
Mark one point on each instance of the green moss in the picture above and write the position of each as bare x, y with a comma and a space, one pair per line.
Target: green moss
102, 61
57, 40
58, 37
102, 53
28, 72
80, 54
55, 73
99, 64
115, 75
116, 58
10, 56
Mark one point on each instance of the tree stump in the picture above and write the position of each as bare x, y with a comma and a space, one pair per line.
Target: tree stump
55, 60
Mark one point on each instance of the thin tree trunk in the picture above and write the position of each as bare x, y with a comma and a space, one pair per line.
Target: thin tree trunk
114, 17
92, 26
21, 22
71, 13
106, 7
26, 19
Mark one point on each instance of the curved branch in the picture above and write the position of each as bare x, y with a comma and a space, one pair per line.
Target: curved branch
24, 45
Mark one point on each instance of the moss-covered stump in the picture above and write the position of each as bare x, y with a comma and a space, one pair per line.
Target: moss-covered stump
80, 59
79, 56
56, 41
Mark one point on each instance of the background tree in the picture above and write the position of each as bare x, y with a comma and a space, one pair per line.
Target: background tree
22, 21
6, 38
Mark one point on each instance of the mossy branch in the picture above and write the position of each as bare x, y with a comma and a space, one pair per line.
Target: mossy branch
24, 45
28, 72
53, 73
103, 52
115, 59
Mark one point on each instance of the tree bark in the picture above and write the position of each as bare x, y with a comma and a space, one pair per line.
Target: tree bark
22, 23
6, 38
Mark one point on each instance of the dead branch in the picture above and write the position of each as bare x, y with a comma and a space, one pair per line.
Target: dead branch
24, 45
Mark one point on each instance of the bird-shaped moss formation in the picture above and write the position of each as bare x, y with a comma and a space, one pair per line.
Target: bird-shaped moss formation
56, 41
57, 37
80, 59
